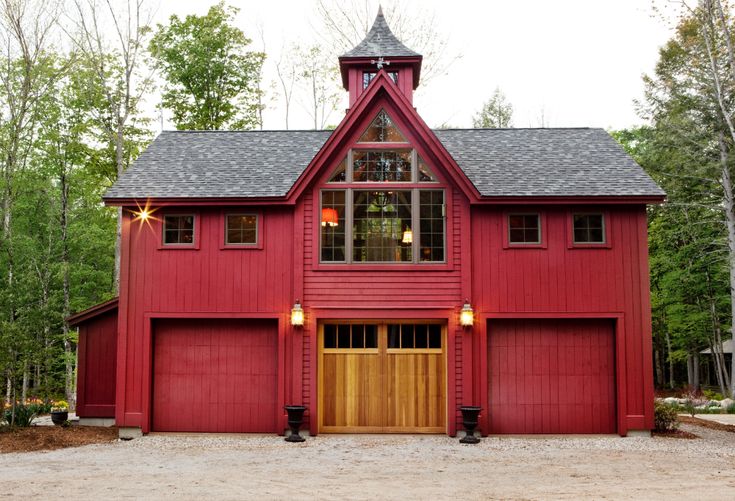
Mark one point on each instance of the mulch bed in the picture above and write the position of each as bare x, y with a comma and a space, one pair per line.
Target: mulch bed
674, 434
707, 424
39, 438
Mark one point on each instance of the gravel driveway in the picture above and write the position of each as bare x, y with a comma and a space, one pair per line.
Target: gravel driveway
379, 467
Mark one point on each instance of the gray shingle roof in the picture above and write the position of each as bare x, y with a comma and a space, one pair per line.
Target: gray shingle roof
546, 162
380, 41
184, 164
499, 162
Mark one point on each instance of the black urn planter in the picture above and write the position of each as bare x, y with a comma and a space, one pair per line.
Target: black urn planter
59, 417
470, 415
295, 420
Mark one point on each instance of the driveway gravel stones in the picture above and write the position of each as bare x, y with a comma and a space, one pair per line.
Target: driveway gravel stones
380, 467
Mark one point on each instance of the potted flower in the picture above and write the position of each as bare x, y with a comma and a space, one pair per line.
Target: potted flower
59, 412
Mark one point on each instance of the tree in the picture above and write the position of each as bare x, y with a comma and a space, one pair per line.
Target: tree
703, 63
26, 76
318, 75
496, 113
116, 79
211, 79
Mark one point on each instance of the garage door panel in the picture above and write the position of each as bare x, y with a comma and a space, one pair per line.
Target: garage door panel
551, 376
215, 375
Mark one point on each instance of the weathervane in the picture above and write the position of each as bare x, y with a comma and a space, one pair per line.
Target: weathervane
380, 62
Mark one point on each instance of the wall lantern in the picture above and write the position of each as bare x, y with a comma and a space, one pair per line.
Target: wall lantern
407, 237
297, 315
329, 217
466, 315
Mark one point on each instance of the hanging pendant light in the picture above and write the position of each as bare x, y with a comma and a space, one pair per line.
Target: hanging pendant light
407, 236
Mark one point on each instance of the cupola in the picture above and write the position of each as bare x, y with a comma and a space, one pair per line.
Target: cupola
380, 50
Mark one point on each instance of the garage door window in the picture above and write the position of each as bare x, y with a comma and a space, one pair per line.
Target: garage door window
350, 336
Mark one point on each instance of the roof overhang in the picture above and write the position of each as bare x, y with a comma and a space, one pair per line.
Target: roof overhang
572, 200
93, 312
192, 201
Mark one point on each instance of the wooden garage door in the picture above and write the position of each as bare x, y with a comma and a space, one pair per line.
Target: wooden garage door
382, 377
551, 376
214, 375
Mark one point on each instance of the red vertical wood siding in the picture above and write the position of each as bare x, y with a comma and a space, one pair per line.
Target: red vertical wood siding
563, 281
188, 283
215, 375
551, 376
96, 370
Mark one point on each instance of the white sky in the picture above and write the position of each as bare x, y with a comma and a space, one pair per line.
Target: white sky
579, 62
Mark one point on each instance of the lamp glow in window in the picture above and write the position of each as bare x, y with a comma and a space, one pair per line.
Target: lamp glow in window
329, 217
407, 237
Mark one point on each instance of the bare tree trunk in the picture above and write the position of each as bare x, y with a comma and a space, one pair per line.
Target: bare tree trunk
730, 218
690, 372
69, 353
24, 387
659, 368
672, 383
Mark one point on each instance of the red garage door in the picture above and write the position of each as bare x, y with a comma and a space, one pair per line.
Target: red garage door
551, 376
214, 375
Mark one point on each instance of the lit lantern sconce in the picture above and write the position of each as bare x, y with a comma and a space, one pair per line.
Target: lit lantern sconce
330, 217
297, 315
466, 315
407, 237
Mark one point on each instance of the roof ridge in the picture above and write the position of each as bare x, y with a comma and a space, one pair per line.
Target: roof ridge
243, 130
519, 128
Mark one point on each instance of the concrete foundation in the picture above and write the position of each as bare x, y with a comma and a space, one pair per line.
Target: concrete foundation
639, 433
129, 433
94, 421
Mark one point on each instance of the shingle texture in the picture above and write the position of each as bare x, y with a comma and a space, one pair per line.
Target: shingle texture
499, 162
219, 164
546, 162
380, 41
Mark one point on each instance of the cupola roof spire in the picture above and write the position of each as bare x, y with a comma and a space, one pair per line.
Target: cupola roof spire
380, 42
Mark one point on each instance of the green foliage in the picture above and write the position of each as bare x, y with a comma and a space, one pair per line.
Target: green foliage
712, 395
730, 409
211, 80
665, 417
497, 112
22, 415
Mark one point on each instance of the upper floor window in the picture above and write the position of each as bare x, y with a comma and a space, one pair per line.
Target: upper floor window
178, 229
402, 221
382, 130
524, 229
241, 229
368, 76
588, 228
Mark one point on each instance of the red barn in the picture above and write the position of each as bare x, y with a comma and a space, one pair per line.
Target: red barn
382, 231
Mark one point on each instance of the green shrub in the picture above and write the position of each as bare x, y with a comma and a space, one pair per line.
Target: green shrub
730, 409
664, 417
712, 395
24, 415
